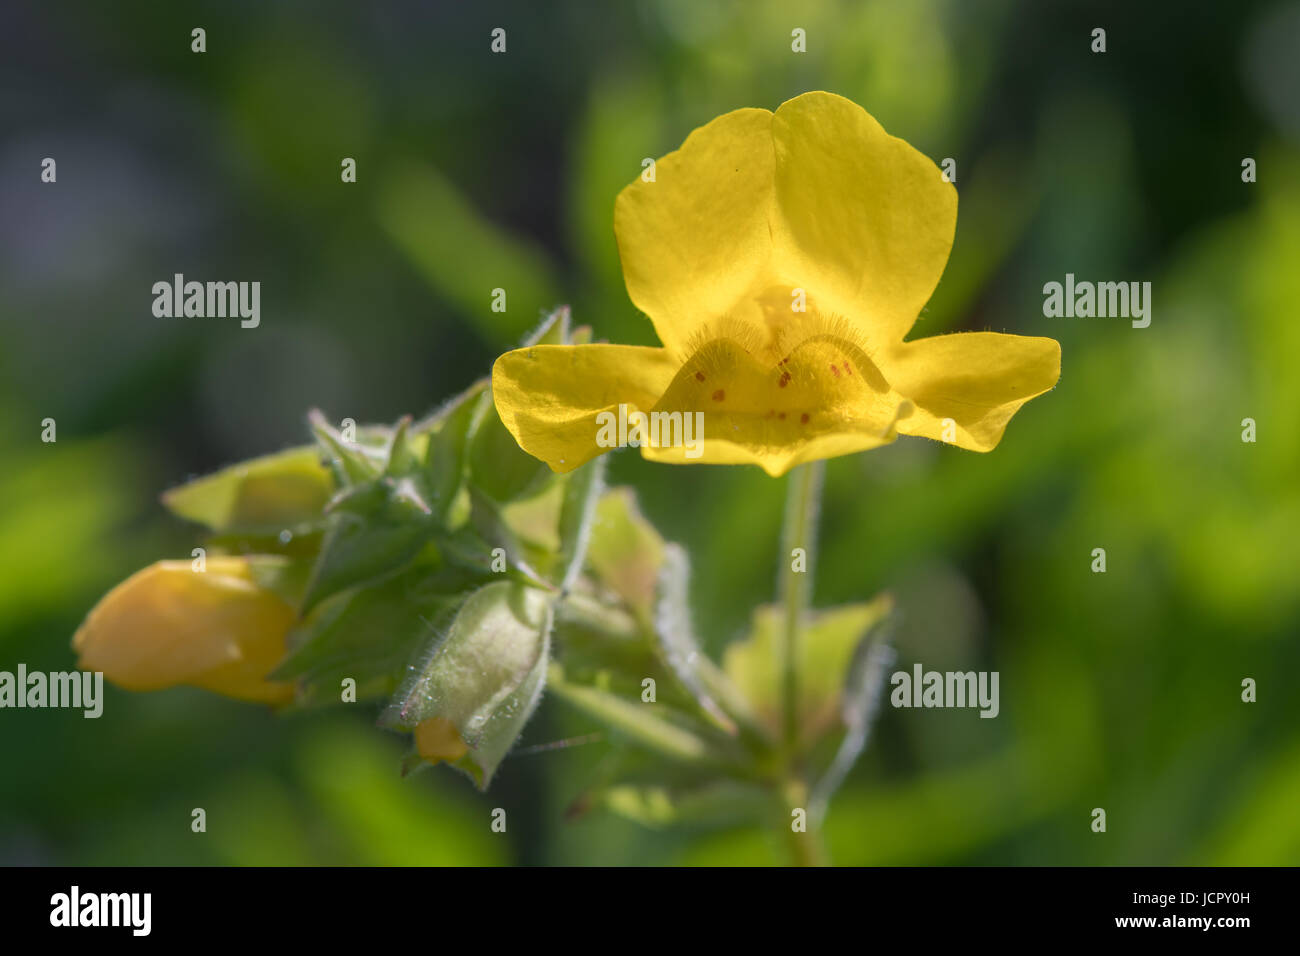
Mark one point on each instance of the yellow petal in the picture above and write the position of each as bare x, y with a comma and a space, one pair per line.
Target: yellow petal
548, 396
826, 398
696, 239
816, 197
168, 625
976, 379
437, 739
869, 220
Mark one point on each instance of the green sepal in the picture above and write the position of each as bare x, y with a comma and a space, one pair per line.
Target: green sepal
485, 674
283, 576
350, 461
402, 457
286, 490
435, 420
412, 762
553, 329
507, 722
362, 500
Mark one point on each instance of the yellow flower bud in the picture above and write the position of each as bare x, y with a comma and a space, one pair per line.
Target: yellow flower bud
169, 624
436, 739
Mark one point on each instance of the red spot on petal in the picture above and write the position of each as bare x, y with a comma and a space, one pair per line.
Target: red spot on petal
847, 369
719, 395
781, 416
699, 376
803, 419
784, 380
835, 370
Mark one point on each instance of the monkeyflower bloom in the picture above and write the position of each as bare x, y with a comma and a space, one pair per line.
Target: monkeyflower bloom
782, 258
170, 624
437, 739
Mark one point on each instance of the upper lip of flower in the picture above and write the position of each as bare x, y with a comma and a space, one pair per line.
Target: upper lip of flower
782, 258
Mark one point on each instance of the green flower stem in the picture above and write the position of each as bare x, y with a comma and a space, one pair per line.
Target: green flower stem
799, 530
632, 719
803, 497
588, 612
806, 848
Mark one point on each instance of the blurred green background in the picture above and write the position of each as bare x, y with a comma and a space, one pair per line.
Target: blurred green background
1119, 690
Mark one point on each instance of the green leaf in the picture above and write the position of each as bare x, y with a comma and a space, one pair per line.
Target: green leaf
533, 523
498, 466
445, 462
369, 634
625, 552
604, 645
582, 490
827, 642
675, 639
268, 494
485, 674
363, 546
863, 689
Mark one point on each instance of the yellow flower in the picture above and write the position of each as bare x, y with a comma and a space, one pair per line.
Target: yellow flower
782, 258
169, 624
436, 739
